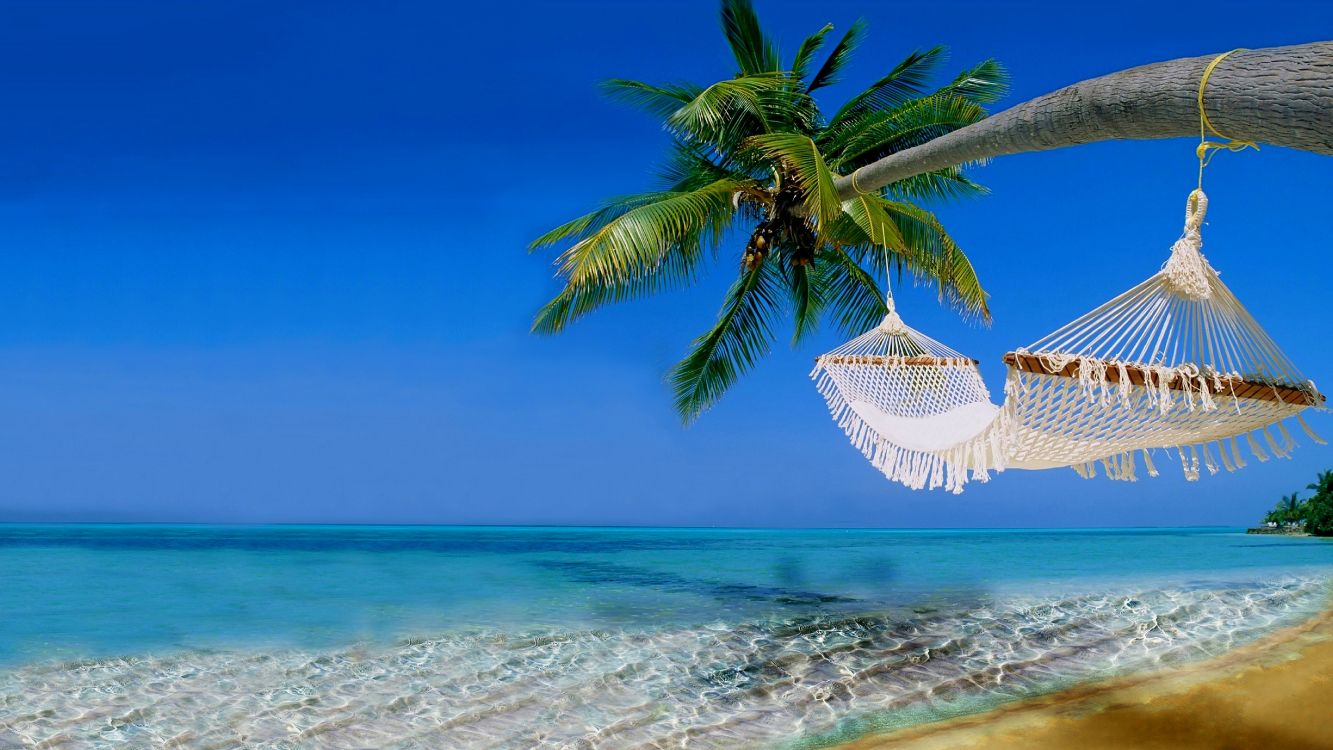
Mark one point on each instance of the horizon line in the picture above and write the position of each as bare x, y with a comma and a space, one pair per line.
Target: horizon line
334, 524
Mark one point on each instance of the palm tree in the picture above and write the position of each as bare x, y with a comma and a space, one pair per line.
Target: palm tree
1323, 483
756, 152
1289, 509
1318, 510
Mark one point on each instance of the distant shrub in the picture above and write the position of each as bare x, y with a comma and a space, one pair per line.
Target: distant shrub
1315, 514
1319, 515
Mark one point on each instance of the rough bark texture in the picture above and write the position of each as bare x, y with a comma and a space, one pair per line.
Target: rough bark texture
1281, 96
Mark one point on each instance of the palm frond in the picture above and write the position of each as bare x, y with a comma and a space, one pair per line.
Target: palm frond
754, 52
742, 334
838, 57
661, 101
647, 243
638, 238
906, 81
690, 166
945, 184
861, 134
801, 157
879, 226
850, 293
718, 109
799, 113
931, 253
578, 298
875, 134
807, 297
983, 83
578, 228
800, 66
575, 301
927, 252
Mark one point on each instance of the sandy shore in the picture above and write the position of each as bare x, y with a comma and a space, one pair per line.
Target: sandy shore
1274, 693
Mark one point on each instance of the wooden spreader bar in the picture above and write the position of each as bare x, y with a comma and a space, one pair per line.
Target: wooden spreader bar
875, 359
1231, 385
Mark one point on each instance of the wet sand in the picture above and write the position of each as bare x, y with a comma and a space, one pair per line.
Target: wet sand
1274, 693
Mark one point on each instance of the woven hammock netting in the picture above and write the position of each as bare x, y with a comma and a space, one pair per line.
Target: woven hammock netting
1174, 363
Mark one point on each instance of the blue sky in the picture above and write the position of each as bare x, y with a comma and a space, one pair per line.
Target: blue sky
265, 262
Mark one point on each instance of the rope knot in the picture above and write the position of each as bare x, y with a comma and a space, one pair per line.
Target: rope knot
1196, 208
892, 323
1187, 272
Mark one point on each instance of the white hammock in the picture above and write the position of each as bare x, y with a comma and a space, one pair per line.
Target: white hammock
1175, 362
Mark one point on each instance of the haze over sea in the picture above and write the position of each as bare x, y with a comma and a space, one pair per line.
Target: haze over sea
413, 636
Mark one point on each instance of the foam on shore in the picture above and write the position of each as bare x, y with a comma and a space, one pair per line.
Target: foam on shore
1265, 694
722, 685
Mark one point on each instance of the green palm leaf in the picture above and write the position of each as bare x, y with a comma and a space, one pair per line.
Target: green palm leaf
742, 334
945, 184
908, 79
863, 135
926, 251
800, 66
800, 155
580, 227
876, 134
849, 291
661, 101
639, 237
689, 167
838, 57
575, 301
931, 253
712, 114
753, 51
719, 115
879, 226
985, 83
807, 299
642, 245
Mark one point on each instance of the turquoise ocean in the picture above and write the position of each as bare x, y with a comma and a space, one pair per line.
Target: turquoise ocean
141, 636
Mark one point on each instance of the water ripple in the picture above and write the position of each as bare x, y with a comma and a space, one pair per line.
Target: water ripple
721, 685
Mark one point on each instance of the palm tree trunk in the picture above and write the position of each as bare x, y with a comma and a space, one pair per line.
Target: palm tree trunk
1280, 95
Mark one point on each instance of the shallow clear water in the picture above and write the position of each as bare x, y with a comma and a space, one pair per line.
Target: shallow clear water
278, 637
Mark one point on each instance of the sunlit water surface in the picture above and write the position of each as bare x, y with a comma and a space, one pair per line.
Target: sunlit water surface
436, 637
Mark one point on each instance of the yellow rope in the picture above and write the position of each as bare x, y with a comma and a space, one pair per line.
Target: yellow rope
856, 187
1208, 148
